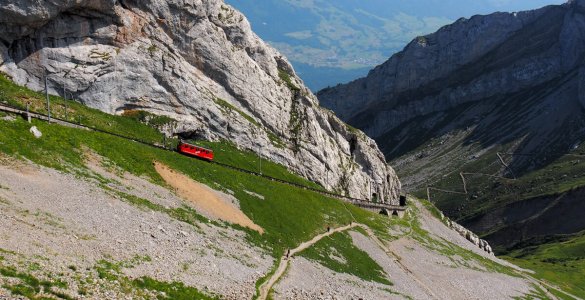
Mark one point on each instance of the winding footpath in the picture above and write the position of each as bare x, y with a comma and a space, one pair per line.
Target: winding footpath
284, 261
266, 287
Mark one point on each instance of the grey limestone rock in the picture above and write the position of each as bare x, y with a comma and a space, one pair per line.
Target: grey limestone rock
36, 132
467, 234
196, 61
512, 83
477, 65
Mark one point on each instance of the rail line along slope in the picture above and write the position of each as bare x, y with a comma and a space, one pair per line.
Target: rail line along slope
198, 63
381, 207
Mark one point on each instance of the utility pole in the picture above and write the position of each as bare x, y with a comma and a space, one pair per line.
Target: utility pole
66, 114
260, 159
47, 95
28, 118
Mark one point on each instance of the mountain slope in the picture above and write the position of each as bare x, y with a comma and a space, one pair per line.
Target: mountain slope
90, 215
485, 117
199, 63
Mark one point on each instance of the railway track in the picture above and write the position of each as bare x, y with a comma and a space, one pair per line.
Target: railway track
358, 202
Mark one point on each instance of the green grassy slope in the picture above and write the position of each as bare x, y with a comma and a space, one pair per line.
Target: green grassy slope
490, 185
132, 125
18, 96
485, 193
560, 261
288, 215
338, 253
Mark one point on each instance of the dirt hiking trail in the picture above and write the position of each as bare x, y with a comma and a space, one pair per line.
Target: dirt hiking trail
267, 286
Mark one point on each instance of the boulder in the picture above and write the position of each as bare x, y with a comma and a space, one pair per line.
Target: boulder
36, 132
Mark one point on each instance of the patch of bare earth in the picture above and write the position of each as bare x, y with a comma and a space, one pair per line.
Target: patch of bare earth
210, 202
58, 226
122, 181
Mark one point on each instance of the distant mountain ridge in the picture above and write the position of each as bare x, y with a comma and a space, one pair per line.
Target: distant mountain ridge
351, 36
468, 62
486, 116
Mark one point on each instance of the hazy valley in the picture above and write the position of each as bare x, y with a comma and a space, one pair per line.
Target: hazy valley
331, 42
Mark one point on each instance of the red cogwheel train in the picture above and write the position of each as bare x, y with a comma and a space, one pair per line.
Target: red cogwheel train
195, 151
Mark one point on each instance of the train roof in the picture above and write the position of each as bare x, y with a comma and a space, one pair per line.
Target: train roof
193, 145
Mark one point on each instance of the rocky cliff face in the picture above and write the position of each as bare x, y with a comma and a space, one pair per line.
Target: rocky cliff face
484, 117
196, 61
528, 65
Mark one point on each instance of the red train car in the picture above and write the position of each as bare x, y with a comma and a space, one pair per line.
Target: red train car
196, 151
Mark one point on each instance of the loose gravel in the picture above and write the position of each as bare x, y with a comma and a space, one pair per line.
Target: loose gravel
58, 225
60, 222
